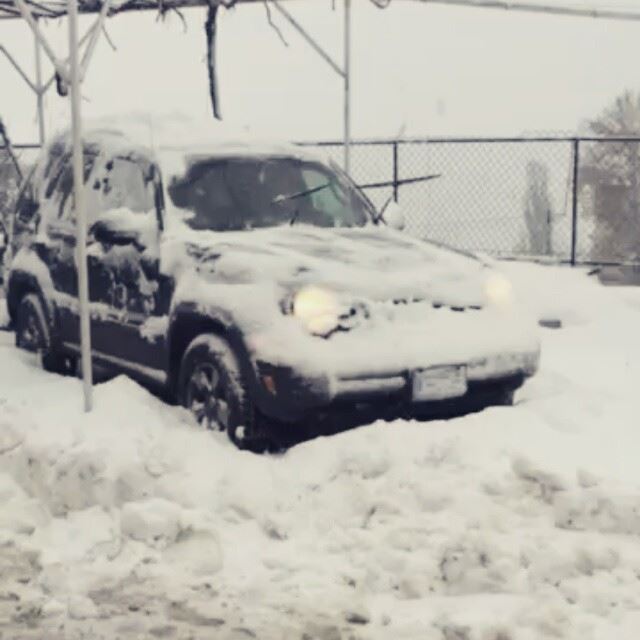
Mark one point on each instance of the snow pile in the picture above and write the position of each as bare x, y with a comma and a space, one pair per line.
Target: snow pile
556, 293
517, 523
4, 314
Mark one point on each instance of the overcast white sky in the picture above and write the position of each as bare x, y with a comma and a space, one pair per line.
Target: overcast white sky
432, 69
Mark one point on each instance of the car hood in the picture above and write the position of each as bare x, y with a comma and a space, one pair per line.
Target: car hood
374, 263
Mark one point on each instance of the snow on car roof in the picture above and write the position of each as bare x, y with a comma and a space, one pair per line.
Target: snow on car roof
182, 136
174, 142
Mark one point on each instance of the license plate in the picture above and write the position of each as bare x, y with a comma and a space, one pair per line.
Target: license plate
439, 383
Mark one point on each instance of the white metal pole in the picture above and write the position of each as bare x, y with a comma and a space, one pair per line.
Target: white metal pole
347, 86
39, 89
81, 220
307, 37
95, 34
25, 11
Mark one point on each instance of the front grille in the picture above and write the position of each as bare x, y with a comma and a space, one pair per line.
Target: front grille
436, 304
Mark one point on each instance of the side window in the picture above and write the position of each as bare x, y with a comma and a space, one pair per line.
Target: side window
62, 194
53, 171
116, 183
58, 187
27, 206
124, 183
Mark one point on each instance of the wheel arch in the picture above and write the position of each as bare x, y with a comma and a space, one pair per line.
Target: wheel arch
22, 283
187, 322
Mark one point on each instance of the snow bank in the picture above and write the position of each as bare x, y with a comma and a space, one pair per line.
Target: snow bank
516, 523
4, 314
552, 292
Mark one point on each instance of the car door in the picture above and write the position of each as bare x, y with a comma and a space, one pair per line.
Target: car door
125, 283
46, 218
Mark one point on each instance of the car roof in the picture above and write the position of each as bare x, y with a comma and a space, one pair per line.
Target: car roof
195, 140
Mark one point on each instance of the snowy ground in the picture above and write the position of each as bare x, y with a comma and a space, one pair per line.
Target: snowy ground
513, 524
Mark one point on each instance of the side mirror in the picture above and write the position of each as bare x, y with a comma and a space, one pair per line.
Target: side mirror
110, 234
393, 216
121, 227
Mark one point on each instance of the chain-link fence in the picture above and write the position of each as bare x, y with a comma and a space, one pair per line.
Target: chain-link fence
9, 186
563, 199
9, 178
500, 199
574, 200
609, 198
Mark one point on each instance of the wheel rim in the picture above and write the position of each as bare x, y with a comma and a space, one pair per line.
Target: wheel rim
207, 397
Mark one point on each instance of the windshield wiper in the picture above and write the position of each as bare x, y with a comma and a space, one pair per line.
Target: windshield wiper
294, 217
299, 194
399, 183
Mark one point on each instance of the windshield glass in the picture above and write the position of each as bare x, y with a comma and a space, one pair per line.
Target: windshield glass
245, 193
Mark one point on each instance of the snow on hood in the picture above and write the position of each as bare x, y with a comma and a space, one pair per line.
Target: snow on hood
375, 263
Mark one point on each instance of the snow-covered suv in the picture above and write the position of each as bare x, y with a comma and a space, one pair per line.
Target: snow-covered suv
257, 286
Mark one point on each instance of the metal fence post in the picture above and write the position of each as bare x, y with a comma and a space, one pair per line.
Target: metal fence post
396, 171
347, 86
574, 209
40, 90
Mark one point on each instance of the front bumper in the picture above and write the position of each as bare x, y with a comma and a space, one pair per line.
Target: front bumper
291, 396
481, 370
299, 375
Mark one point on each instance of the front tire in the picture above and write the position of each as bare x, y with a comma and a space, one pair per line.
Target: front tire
33, 334
212, 388
506, 398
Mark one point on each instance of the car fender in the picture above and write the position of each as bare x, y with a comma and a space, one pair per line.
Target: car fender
187, 320
29, 274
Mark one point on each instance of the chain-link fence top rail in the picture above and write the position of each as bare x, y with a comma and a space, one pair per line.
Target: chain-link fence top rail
504, 197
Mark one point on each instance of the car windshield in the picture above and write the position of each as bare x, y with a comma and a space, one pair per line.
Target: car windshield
235, 194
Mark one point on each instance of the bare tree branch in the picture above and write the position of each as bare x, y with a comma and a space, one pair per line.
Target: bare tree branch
273, 25
182, 19
108, 38
163, 10
210, 28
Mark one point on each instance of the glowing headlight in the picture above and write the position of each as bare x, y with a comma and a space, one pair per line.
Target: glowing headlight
317, 308
498, 290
